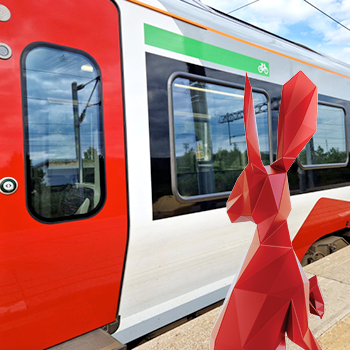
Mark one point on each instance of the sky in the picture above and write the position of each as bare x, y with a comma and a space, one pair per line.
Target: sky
298, 21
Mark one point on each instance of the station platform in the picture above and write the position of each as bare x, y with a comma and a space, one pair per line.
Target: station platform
332, 332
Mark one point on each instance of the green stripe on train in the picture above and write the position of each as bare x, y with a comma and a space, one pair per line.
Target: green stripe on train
166, 40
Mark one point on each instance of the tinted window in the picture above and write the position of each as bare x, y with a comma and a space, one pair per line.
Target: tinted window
64, 139
328, 145
210, 149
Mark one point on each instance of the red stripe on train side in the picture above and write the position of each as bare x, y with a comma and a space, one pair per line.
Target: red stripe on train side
326, 217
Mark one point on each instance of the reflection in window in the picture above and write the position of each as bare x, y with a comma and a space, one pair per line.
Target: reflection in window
328, 145
210, 145
63, 133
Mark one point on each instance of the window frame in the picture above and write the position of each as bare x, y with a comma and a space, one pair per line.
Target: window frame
173, 165
330, 165
102, 158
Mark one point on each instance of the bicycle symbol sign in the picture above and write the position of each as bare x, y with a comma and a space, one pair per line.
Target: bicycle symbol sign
263, 69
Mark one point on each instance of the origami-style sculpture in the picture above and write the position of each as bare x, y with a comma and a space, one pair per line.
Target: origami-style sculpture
271, 294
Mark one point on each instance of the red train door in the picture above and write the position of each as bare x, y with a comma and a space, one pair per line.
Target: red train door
63, 231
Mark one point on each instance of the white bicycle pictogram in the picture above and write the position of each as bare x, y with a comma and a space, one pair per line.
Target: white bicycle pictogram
263, 69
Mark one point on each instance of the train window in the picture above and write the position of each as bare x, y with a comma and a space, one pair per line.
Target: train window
63, 133
328, 147
209, 148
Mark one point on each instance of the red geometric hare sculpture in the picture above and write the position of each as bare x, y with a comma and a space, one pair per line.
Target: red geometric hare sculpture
271, 294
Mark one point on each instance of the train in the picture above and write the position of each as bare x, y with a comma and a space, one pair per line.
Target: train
122, 139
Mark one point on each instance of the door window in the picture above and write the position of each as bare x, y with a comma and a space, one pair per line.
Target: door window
63, 133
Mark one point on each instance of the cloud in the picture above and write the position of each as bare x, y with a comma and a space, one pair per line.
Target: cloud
298, 21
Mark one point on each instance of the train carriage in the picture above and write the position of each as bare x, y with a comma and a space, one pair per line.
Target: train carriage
122, 139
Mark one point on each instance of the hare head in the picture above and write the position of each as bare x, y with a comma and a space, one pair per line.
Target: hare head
261, 191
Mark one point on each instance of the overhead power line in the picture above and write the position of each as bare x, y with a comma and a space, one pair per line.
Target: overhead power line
308, 2
326, 14
242, 6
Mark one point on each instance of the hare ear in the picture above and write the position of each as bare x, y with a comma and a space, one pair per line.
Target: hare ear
297, 119
251, 132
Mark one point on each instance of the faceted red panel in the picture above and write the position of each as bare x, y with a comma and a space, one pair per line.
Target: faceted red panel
271, 295
316, 298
